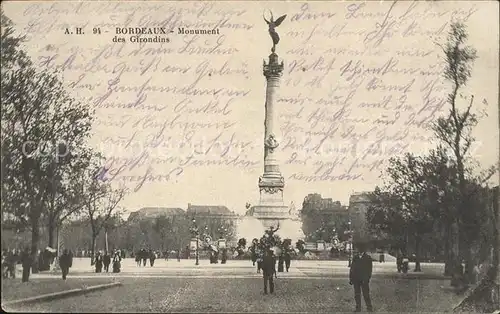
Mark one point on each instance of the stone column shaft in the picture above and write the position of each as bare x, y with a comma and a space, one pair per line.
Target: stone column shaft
270, 162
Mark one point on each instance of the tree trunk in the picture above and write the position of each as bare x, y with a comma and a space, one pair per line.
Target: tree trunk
51, 231
35, 238
447, 252
417, 253
106, 240
455, 251
469, 264
92, 249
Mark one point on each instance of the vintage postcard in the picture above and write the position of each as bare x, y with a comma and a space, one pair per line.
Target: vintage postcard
250, 156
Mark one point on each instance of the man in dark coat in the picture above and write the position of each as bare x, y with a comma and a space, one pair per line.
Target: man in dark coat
26, 262
281, 263
106, 260
117, 262
10, 264
65, 263
260, 256
254, 256
224, 256
152, 257
144, 256
211, 256
288, 259
98, 262
138, 258
359, 276
268, 270
399, 260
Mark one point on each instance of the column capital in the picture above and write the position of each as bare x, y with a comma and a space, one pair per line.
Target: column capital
273, 68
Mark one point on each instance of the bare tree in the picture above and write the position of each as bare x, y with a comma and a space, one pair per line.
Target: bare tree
455, 131
101, 200
65, 199
114, 223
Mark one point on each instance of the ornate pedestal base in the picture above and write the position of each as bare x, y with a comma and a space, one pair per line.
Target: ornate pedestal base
270, 215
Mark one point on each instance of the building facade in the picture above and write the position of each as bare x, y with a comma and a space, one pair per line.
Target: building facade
323, 215
358, 207
153, 212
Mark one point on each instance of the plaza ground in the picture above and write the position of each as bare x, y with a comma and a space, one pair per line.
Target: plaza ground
310, 286
245, 295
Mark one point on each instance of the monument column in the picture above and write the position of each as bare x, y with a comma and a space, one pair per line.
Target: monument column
271, 183
272, 72
271, 208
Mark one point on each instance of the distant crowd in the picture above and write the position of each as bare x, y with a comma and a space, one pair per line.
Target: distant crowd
11, 258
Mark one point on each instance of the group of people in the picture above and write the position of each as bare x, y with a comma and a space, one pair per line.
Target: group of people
104, 260
214, 255
267, 252
282, 250
284, 259
143, 255
360, 274
402, 262
10, 259
88, 253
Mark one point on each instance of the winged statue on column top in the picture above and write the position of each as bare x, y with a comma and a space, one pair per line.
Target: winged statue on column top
272, 29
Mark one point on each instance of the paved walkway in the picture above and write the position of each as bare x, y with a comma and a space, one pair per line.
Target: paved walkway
241, 269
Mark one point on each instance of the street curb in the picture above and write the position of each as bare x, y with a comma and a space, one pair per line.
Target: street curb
62, 294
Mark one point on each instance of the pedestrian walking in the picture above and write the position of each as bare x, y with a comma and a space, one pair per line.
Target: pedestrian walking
399, 261
288, 259
5, 266
259, 263
144, 256
9, 265
152, 258
281, 263
224, 256
106, 260
254, 257
98, 262
65, 262
269, 270
117, 262
138, 258
405, 263
381, 257
359, 276
27, 263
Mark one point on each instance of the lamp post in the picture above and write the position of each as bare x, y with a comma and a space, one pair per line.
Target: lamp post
195, 231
